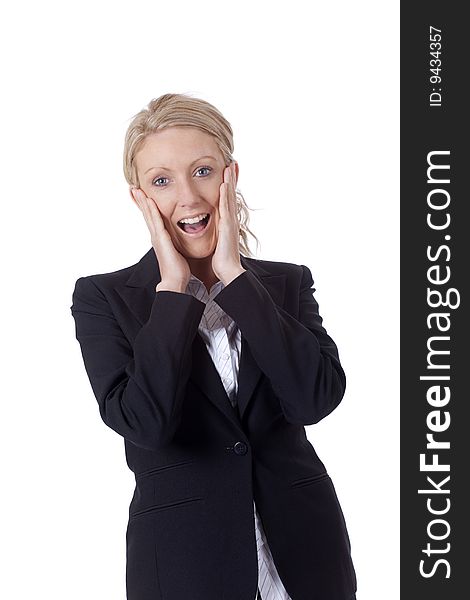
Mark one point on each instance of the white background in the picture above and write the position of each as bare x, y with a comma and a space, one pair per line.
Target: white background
311, 90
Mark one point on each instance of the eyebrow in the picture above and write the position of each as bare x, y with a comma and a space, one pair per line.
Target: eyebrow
194, 161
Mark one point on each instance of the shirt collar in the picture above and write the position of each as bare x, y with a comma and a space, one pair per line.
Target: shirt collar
213, 312
195, 285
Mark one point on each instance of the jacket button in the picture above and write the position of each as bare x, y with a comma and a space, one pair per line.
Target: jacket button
240, 448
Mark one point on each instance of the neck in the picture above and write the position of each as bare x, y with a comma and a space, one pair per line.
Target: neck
202, 269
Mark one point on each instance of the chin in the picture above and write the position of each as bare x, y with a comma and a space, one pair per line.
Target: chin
195, 250
198, 253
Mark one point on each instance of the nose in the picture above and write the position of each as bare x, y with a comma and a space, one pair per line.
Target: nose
187, 194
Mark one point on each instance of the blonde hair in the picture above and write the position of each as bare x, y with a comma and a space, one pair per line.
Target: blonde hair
185, 111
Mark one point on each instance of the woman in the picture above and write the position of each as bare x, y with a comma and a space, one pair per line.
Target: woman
209, 363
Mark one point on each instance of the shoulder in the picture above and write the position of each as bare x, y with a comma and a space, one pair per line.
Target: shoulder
104, 281
293, 271
110, 277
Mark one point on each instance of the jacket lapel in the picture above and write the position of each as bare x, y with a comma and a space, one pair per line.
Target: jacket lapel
138, 292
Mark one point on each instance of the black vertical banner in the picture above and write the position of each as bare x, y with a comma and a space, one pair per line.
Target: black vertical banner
435, 269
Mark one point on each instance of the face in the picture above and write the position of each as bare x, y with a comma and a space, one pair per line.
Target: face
181, 169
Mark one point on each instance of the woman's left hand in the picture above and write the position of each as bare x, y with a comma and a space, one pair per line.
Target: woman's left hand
226, 258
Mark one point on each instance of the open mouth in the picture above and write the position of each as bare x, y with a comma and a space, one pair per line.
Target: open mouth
192, 228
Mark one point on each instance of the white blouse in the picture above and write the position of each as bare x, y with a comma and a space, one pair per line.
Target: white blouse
223, 341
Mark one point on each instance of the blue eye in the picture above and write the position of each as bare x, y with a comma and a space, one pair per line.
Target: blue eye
154, 182
158, 179
207, 168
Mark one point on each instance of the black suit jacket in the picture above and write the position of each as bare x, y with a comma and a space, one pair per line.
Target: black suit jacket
198, 462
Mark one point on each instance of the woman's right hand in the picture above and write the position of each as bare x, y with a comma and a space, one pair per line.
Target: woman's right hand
174, 268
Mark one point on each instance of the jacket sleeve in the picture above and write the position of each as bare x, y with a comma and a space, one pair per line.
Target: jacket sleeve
298, 356
139, 388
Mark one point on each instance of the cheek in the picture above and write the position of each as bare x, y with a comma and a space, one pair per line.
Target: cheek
164, 208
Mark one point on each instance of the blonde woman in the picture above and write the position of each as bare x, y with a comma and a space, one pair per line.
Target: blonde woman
210, 363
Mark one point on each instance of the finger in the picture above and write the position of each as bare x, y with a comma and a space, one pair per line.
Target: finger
229, 181
231, 195
144, 204
135, 195
148, 207
156, 215
223, 200
140, 197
